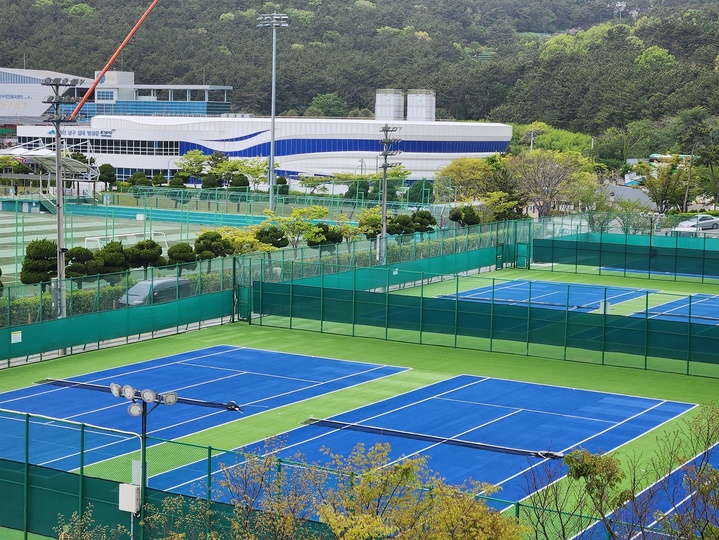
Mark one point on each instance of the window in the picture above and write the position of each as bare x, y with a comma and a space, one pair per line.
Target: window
104, 95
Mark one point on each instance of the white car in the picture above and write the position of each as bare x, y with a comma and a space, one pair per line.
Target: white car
702, 221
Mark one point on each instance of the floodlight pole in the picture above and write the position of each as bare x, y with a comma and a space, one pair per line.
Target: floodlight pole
386, 142
56, 119
273, 20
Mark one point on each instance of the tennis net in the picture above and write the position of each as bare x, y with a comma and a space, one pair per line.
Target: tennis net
452, 441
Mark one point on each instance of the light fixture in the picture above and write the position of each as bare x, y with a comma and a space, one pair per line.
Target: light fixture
115, 389
135, 409
148, 396
170, 398
128, 392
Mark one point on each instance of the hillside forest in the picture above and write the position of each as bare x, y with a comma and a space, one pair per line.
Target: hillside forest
635, 76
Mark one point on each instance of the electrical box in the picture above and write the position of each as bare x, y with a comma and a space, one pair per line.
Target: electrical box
130, 498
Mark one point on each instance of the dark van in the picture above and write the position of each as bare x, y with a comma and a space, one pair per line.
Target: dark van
156, 291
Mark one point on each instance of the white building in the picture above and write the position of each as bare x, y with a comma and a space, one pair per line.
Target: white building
303, 146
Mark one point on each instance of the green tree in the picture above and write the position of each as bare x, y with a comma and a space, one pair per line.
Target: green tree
375, 497
76, 260
194, 163
313, 183
183, 255
469, 177
40, 262
144, 254
330, 104
664, 183
110, 261
324, 237
210, 245
298, 224
465, 215
421, 192
107, 174
271, 235
369, 222
423, 221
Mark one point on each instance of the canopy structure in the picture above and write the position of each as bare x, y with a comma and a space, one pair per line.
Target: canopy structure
72, 169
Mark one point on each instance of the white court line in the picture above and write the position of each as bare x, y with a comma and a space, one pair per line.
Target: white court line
548, 413
578, 444
299, 443
50, 390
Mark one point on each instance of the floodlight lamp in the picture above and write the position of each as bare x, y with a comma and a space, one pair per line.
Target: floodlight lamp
135, 409
47, 81
128, 392
65, 81
57, 81
74, 82
170, 398
148, 396
115, 389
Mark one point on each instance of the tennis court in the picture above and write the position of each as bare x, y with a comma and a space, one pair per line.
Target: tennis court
697, 308
550, 295
256, 380
491, 430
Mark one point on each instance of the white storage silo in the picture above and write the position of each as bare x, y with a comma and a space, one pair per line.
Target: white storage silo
389, 105
421, 105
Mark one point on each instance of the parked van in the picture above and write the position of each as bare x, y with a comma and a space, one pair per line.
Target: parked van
156, 291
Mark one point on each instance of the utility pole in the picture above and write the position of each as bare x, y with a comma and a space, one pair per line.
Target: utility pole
387, 151
56, 118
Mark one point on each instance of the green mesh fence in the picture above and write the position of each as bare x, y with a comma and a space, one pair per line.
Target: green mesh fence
649, 329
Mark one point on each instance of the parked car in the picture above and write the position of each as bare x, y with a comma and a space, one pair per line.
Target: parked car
156, 291
701, 221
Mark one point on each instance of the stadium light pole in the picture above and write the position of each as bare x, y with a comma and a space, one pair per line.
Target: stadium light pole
272, 20
387, 151
140, 400
56, 118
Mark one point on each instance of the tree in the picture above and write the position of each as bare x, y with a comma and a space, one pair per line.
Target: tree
324, 237
83, 527
271, 235
544, 177
370, 222
210, 245
421, 192
110, 261
375, 497
298, 224
194, 163
465, 215
330, 105
254, 482
664, 183
180, 518
313, 183
255, 169
423, 221
401, 226
144, 254
107, 174
76, 260
282, 187
243, 240
469, 177
40, 262
183, 256
348, 231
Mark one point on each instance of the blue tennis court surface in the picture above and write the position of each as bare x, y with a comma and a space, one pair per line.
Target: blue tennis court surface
699, 309
549, 294
521, 416
256, 380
